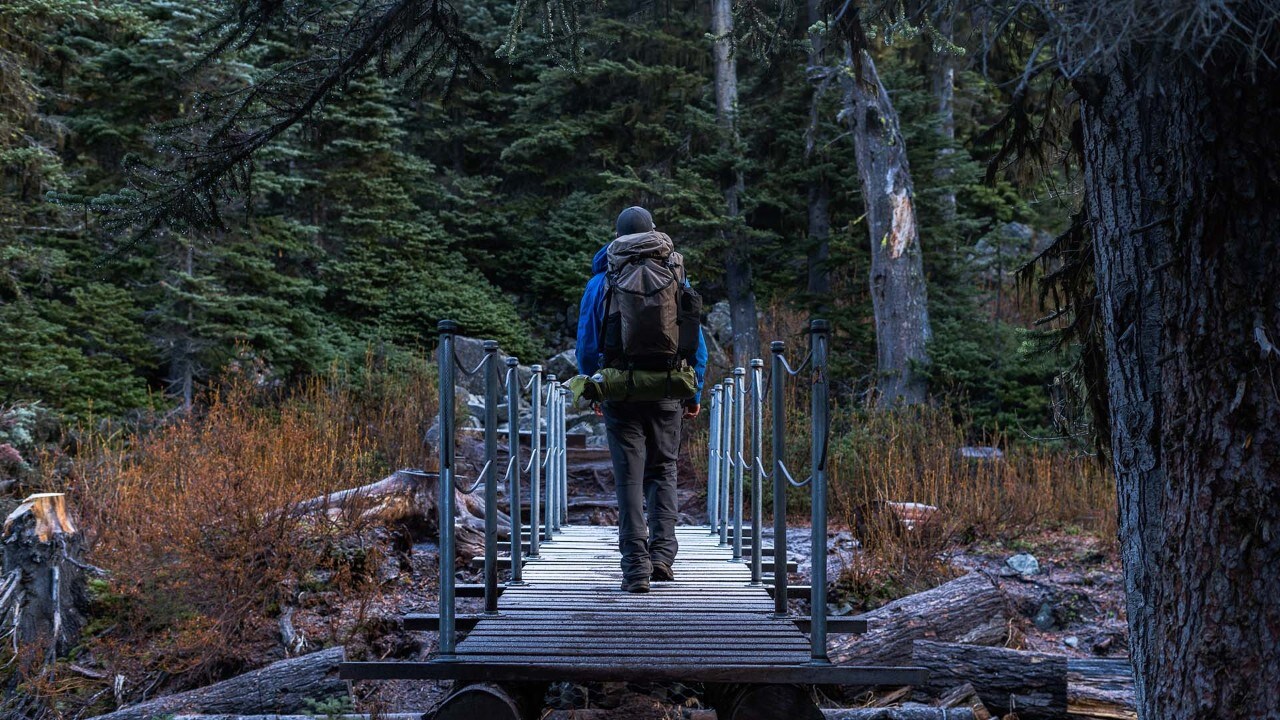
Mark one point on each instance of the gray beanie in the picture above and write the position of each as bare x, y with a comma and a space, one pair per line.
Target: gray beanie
634, 219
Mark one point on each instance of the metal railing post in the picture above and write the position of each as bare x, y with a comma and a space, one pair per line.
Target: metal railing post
553, 525
757, 482
535, 462
726, 452
490, 476
739, 401
565, 394
820, 331
713, 462
445, 507
513, 472
779, 449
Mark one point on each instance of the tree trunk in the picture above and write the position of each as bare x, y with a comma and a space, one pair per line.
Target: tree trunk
898, 291
737, 267
942, 81
282, 687
944, 613
819, 229
1181, 167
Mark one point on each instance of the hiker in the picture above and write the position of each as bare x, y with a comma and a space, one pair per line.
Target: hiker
640, 340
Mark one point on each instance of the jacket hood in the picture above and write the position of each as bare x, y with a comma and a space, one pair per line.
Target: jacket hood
600, 263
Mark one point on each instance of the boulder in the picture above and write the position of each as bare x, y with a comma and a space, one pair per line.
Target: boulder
563, 365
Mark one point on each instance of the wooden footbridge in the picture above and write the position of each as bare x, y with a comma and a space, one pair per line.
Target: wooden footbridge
721, 626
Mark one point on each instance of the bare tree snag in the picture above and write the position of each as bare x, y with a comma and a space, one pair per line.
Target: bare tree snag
943, 613
1033, 685
282, 687
898, 293
43, 591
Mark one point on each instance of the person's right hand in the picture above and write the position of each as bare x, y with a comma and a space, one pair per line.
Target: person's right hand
691, 411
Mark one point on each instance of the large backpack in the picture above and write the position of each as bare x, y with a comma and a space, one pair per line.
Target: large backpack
652, 317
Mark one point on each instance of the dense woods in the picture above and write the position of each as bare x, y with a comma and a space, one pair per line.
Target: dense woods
1049, 227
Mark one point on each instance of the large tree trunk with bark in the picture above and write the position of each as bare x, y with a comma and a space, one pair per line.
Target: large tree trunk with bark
898, 291
737, 267
1182, 175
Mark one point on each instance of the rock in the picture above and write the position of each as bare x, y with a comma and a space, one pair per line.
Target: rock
1044, 617
980, 452
1024, 564
469, 352
598, 441
1071, 641
564, 365
720, 322
582, 428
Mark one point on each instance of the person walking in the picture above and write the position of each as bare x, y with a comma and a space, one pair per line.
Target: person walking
640, 318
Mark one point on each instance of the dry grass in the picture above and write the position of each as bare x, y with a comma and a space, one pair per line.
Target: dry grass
192, 518
911, 456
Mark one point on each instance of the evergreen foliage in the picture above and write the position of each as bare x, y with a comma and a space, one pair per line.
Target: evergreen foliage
388, 205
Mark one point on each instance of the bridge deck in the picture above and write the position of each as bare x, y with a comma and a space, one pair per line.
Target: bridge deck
572, 621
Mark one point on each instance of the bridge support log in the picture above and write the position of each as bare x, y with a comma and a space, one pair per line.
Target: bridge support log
492, 701
762, 702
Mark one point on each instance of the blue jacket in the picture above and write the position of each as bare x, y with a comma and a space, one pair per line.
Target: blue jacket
591, 324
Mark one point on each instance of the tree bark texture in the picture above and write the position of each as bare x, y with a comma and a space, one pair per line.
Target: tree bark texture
1033, 685
1182, 177
942, 82
898, 293
737, 267
282, 687
44, 589
943, 613
819, 201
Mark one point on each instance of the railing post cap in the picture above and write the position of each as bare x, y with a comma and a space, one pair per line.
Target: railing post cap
757, 363
739, 371
491, 346
447, 326
777, 346
551, 377
820, 325
512, 362
536, 368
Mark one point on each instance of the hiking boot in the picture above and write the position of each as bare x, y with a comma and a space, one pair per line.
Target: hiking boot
639, 585
662, 572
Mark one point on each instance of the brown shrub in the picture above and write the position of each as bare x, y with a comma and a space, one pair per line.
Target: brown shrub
193, 518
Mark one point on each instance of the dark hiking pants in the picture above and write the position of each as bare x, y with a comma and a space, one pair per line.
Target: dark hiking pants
644, 441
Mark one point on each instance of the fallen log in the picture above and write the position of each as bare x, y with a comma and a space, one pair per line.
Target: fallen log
906, 712
943, 613
356, 716
1101, 689
1033, 685
283, 687
410, 498
965, 696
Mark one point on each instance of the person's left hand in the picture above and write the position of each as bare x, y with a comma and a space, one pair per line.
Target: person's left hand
597, 408
691, 411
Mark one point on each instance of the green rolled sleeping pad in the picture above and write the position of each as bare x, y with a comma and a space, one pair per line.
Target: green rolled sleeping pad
635, 385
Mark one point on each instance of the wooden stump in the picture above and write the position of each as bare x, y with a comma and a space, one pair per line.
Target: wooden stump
762, 702
44, 588
491, 701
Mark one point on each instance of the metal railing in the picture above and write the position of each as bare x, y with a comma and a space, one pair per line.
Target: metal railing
546, 469
726, 465
548, 472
